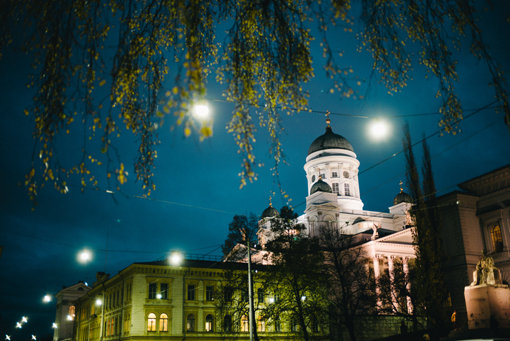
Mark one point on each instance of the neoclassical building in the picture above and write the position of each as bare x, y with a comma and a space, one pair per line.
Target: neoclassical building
334, 201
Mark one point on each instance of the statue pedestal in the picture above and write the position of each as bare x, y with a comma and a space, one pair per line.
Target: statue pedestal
488, 306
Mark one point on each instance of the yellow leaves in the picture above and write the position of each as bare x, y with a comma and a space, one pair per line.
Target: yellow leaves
103, 82
26, 112
121, 174
187, 131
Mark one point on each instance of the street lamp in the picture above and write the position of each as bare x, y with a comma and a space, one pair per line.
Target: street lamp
378, 129
175, 258
201, 111
84, 256
47, 298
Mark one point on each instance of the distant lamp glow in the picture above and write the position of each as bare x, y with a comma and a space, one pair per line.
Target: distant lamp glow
99, 302
69, 318
24, 319
7, 337
54, 325
378, 129
201, 111
18, 325
303, 298
271, 299
175, 258
84, 256
47, 298
33, 337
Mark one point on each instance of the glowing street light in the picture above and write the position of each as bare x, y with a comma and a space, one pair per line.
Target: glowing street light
24, 319
33, 337
378, 129
54, 325
47, 298
18, 325
99, 302
84, 256
175, 258
158, 296
7, 337
201, 111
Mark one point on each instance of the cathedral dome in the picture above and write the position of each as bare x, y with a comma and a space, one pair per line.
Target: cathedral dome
270, 212
330, 140
320, 186
402, 197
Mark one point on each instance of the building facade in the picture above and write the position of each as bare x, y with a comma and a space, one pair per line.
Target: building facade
158, 301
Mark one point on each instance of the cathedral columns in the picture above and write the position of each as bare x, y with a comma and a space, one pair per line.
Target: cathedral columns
393, 293
408, 284
375, 261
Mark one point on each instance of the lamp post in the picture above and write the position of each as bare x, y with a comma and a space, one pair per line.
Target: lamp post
250, 284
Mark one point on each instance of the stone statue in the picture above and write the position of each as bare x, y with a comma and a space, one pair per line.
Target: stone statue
486, 272
375, 233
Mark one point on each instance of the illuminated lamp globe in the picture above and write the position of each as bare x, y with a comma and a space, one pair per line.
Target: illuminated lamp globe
201, 111
175, 258
47, 298
378, 129
84, 256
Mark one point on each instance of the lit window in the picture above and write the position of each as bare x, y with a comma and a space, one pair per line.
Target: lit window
334, 175
190, 323
260, 295
152, 290
335, 188
209, 293
261, 325
497, 238
347, 190
71, 313
164, 291
227, 323
163, 322
209, 322
151, 322
191, 292
244, 323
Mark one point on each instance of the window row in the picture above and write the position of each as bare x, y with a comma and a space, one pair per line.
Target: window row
152, 325
334, 174
191, 292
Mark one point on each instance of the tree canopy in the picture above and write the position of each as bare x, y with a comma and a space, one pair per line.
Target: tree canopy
106, 63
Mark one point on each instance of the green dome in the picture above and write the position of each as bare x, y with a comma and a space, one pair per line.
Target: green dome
270, 212
330, 140
320, 186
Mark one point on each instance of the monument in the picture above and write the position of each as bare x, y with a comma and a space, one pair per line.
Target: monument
487, 298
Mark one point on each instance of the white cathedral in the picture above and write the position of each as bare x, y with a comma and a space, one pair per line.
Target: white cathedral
334, 200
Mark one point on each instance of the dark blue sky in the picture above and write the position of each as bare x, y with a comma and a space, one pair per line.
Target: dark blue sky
197, 184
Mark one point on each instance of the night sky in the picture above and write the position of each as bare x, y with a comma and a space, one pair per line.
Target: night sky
197, 183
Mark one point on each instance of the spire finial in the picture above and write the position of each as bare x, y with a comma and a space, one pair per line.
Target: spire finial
328, 121
401, 188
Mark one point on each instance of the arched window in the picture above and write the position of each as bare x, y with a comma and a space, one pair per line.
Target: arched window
151, 322
190, 323
347, 190
244, 323
227, 323
71, 313
209, 323
261, 325
497, 238
163, 322
313, 178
